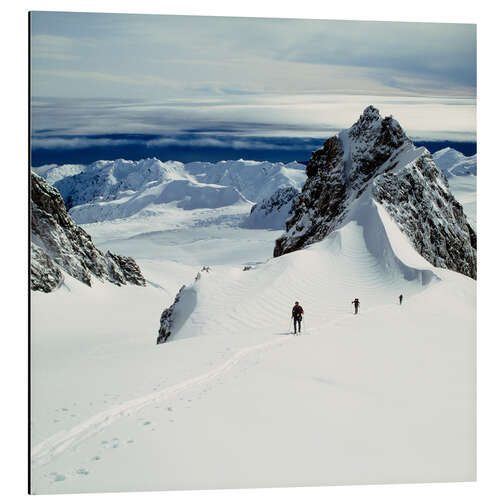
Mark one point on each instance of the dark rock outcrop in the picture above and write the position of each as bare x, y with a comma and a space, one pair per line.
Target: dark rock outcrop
57, 243
375, 156
167, 320
174, 316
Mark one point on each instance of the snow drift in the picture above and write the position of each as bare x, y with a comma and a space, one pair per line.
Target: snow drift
367, 257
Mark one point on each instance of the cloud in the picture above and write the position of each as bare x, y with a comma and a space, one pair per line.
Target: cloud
133, 56
76, 142
60, 48
245, 116
224, 142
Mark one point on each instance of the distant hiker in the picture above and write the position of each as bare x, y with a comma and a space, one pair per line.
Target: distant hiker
400, 299
297, 313
356, 305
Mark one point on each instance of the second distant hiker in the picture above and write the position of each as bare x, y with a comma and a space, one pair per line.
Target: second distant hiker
400, 299
356, 305
297, 313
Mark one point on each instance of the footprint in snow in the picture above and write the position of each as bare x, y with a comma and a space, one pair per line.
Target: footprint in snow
56, 477
82, 472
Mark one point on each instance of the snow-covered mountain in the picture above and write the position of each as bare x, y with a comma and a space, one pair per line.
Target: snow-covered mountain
256, 180
53, 172
107, 190
272, 212
375, 163
454, 163
59, 246
461, 172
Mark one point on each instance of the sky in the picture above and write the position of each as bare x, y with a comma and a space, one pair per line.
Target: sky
187, 87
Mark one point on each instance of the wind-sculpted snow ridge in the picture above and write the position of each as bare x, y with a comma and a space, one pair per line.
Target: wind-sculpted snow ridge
375, 158
58, 244
368, 257
177, 314
454, 163
272, 212
107, 190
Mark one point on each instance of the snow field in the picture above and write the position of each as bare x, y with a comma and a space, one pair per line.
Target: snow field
232, 400
385, 396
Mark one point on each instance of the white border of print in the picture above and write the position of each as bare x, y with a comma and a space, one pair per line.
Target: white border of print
14, 235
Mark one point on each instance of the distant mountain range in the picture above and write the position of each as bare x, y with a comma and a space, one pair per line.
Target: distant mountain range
107, 190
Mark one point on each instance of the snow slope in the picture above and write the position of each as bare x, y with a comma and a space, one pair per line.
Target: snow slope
232, 401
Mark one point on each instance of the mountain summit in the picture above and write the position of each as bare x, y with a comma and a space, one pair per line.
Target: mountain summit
374, 162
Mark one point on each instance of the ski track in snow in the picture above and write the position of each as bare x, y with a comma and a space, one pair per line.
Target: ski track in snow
51, 447
253, 301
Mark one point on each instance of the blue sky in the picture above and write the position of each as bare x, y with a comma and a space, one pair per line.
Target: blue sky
215, 82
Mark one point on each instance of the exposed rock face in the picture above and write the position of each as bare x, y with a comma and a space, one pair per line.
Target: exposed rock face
174, 316
45, 275
58, 243
167, 319
272, 212
376, 158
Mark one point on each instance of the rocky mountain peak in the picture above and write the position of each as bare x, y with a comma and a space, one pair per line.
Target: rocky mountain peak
369, 118
375, 158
